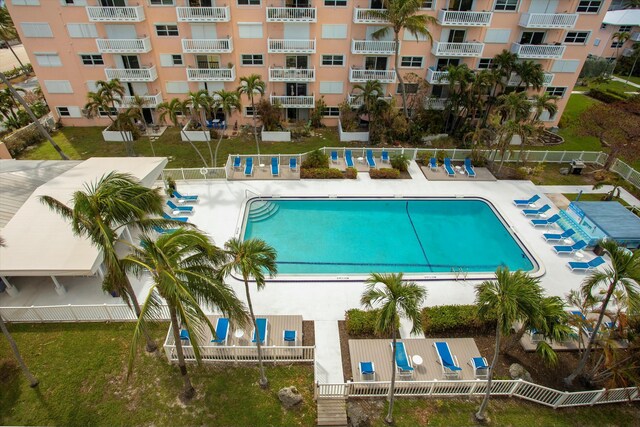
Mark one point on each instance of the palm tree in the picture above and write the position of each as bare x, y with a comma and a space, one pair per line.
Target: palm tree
512, 297
8, 32
403, 14
395, 299
616, 182
226, 101
369, 94
171, 110
544, 102
200, 103
251, 258
250, 85
103, 210
621, 38
460, 79
623, 274
531, 74
514, 106
182, 265
138, 104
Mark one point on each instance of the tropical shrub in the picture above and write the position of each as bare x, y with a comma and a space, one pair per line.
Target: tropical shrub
400, 162
318, 113
320, 173
351, 173
20, 140
361, 323
606, 97
384, 173
269, 115
454, 318
348, 117
316, 159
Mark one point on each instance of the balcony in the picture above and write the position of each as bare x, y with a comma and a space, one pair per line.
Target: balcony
203, 14
151, 101
291, 46
473, 49
454, 18
357, 101
207, 45
292, 74
211, 74
538, 51
115, 13
548, 20
437, 77
148, 74
291, 14
435, 103
515, 79
361, 76
302, 101
635, 36
367, 16
373, 47
124, 45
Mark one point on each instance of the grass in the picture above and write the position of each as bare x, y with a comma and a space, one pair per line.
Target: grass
573, 141
81, 368
632, 79
592, 197
610, 85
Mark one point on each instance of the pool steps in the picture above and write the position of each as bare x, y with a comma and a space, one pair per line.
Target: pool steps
261, 210
566, 222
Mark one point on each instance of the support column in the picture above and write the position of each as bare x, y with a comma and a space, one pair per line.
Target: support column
100, 271
11, 290
60, 290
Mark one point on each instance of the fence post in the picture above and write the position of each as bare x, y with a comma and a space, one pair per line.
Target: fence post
473, 389
33, 309
515, 387
73, 313
597, 397
183, 178
562, 158
415, 154
561, 399
315, 391
106, 309
347, 389
544, 158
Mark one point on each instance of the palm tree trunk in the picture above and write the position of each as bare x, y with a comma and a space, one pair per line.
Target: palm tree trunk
207, 135
515, 339
264, 382
214, 160
24, 69
389, 418
193, 145
480, 415
396, 60
33, 381
189, 392
255, 127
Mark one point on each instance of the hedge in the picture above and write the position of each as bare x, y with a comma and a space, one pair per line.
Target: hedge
321, 173
384, 173
361, 323
454, 318
21, 139
351, 173
606, 97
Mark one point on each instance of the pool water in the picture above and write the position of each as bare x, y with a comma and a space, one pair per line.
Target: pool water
333, 236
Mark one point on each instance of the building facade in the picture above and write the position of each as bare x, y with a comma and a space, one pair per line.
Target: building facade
606, 44
303, 49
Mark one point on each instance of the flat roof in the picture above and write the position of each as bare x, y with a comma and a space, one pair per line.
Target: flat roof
614, 219
39, 242
622, 17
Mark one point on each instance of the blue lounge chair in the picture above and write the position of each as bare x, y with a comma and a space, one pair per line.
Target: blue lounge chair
403, 363
184, 335
526, 202
367, 371
222, 331
348, 159
536, 212
547, 221
468, 168
248, 167
586, 266
175, 218
334, 157
163, 230
569, 249
448, 168
263, 330
185, 197
584, 324
449, 363
175, 207
433, 163
275, 166
237, 162
370, 160
384, 157
559, 236
293, 164
480, 367
289, 337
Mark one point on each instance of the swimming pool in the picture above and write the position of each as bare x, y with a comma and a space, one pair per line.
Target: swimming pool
360, 236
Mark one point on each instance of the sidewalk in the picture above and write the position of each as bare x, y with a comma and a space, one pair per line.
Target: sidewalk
328, 354
630, 83
573, 189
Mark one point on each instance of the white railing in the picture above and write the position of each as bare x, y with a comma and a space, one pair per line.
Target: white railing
515, 79
151, 101
291, 14
435, 103
142, 45
207, 45
235, 354
367, 47
464, 18
367, 16
533, 51
194, 174
291, 46
548, 20
384, 76
132, 74
211, 74
74, 313
303, 101
472, 49
627, 172
357, 101
292, 74
436, 77
115, 13
203, 14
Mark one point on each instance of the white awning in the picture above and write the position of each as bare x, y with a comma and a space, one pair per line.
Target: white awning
40, 243
622, 17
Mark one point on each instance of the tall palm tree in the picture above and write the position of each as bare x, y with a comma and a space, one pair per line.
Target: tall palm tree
182, 265
226, 101
200, 103
170, 111
251, 85
8, 32
512, 297
395, 299
403, 14
103, 210
460, 79
623, 274
251, 258
369, 94
544, 102
138, 104
621, 38
531, 74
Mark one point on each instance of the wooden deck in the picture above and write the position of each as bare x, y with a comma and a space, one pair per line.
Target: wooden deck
264, 172
360, 163
482, 174
379, 352
332, 412
276, 325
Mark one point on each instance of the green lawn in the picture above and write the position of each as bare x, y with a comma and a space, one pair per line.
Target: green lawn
592, 197
81, 368
572, 140
610, 85
632, 79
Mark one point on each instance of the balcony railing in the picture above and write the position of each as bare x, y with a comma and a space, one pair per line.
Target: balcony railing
292, 74
115, 13
383, 76
357, 101
367, 16
291, 14
473, 49
548, 20
464, 18
435, 77
207, 45
435, 103
132, 74
538, 51
124, 45
306, 101
373, 47
203, 14
635, 36
515, 79
291, 46
151, 101
211, 74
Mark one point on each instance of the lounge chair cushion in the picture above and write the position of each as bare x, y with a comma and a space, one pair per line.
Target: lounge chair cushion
479, 363
289, 335
184, 334
446, 357
222, 329
366, 368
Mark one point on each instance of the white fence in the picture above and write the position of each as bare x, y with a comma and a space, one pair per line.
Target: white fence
73, 313
191, 174
243, 354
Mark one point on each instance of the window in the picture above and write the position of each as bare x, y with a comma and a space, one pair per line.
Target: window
248, 111
603, 26
589, 6
248, 2
556, 91
576, 37
73, 2
409, 87
58, 86
105, 113
565, 66
411, 61
250, 30
331, 87
340, 3
92, 59
48, 59
25, 2
36, 29
82, 31
506, 5
332, 112
495, 35
625, 28
427, 4
166, 30
177, 87
171, 60
485, 63
617, 44
69, 112
334, 31
161, 2
63, 111
252, 59
333, 60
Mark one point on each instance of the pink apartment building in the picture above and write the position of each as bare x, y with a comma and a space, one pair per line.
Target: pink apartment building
303, 49
616, 21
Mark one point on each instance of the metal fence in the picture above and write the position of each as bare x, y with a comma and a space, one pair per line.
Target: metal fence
73, 313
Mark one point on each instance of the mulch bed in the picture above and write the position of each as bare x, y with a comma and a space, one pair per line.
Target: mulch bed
308, 333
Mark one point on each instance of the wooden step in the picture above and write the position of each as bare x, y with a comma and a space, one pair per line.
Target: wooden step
332, 412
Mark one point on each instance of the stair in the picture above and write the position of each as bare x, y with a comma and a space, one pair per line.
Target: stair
261, 210
567, 222
332, 412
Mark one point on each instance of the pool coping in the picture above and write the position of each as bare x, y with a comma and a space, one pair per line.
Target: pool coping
538, 270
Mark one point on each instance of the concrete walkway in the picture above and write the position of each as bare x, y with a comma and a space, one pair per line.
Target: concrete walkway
629, 82
571, 189
328, 354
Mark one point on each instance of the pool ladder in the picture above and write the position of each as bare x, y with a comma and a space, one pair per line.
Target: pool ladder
458, 272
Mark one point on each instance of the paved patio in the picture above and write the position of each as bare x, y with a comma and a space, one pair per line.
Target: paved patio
482, 174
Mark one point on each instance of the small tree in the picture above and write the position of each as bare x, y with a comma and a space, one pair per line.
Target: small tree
269, 115
171, 111
318, 113
252, 85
